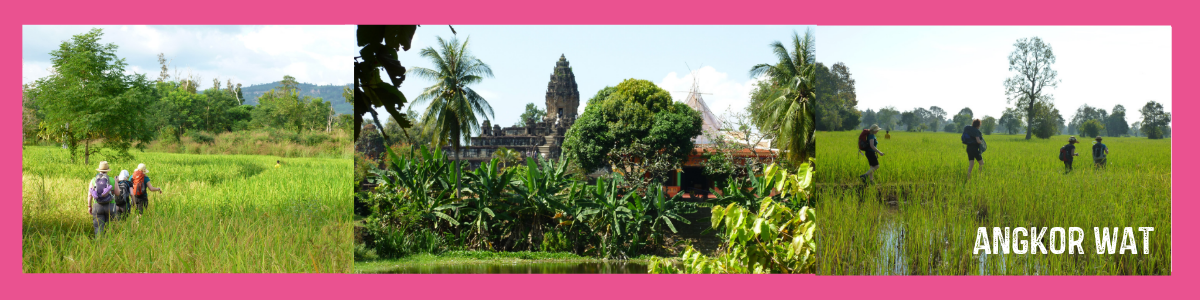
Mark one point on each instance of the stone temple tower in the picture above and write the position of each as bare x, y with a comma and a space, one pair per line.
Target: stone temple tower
562, 95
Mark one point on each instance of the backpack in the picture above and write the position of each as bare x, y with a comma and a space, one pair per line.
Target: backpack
862, 140
1063, 153
102, 192
139, 183
123, 198
966, 138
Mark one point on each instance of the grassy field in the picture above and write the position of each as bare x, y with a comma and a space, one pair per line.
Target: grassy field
229, 213
921, 214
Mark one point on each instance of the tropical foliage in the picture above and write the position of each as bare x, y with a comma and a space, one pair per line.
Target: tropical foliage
785, 105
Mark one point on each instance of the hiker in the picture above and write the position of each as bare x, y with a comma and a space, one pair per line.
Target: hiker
100, 198
277, 163
973, 138
1067, 154
141, 184
123, 197
1099, 153
867, 143
887, 134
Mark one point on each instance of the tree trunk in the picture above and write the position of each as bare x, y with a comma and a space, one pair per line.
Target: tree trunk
1029, 124
86, 146
458, 175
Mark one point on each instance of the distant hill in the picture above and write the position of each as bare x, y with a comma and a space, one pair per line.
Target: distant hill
330, 93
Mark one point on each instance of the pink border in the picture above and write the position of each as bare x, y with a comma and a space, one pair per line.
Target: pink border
1180, 15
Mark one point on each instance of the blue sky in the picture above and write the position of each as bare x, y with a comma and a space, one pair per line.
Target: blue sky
246, 54
522, 59
956, 67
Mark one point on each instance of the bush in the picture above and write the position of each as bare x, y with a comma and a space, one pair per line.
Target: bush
201, 137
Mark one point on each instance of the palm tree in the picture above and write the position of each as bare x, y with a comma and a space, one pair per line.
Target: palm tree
786, 109
453, 106
506, 156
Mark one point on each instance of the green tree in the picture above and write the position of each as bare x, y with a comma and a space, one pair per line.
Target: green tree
1091, 128
989, 125
1116, 124
961, 120
1154, 120
89, 97
532, 112
1030, 62
635, 112
787, 108
887, 117
453, 106
1045, 120
910, 121
1011, 121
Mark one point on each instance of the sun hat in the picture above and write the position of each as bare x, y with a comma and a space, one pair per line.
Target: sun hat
124, 175
1099, 138
142, 167
103, 167
874, 127
1072, 140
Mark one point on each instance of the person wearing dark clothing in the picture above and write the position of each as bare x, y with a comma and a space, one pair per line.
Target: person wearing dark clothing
1099, 153
872, 159
974, 140
1070, 149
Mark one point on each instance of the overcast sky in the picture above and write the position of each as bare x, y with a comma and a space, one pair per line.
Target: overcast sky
247, 54
956, 67
522, 59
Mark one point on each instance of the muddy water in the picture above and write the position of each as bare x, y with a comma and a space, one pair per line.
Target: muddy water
525, 268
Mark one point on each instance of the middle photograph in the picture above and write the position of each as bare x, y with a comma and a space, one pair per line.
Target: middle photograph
672, 149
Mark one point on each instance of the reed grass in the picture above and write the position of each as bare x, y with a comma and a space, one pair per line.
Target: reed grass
920, 215
217, 214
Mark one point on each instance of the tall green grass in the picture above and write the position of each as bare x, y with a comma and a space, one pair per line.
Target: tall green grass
230, 213
921, 214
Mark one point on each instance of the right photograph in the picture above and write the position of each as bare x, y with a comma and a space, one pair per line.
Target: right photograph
994, 150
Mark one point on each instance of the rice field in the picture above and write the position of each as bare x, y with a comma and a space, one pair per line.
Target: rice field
217, 214
921, 214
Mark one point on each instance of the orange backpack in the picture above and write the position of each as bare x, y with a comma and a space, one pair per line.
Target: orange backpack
139, 183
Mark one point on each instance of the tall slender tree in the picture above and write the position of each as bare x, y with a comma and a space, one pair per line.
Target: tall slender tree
1030, 62
454, 107
787, 108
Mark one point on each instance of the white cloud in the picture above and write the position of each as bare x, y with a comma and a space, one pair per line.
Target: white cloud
720, 93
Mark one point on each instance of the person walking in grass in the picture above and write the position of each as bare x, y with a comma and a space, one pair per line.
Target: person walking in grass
1099, 153
124, 199
100, 198
1067, 154
973, 138
868, 143
141, 185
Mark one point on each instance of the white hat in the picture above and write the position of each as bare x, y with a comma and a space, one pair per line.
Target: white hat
124, 175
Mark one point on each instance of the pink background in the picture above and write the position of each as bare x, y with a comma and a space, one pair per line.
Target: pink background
1178, 14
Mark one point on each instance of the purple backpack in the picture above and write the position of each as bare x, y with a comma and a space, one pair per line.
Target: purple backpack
102, 192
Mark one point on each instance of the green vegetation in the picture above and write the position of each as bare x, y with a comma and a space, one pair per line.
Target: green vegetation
91, 102
784, 106
537, 207
626, 123
330, 92
921, 215
234, 213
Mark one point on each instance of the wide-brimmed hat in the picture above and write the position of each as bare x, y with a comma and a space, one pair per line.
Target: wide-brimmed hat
142, 167
1072, 140
874, 127
1099, 138
103, 167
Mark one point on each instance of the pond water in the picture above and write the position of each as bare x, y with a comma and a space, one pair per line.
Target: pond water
614, 267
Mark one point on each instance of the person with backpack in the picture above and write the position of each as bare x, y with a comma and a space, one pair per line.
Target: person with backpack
1099, 153
100, 198
141, 184
868, 143
1067, 154
973, 138
123, 188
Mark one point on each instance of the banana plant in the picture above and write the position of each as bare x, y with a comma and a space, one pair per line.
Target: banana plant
611, 217
422, 182
666, 210
486, 188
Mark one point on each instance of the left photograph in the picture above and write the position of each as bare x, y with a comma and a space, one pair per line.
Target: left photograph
187, 149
